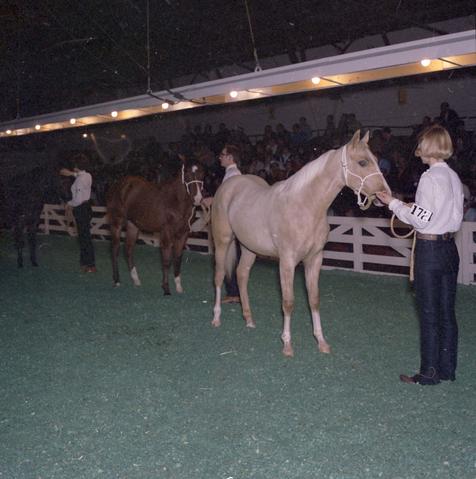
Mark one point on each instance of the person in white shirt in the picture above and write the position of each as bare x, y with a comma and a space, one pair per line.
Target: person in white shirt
81, 208
436, 216
229, 157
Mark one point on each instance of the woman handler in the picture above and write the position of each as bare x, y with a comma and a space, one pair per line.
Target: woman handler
436, 216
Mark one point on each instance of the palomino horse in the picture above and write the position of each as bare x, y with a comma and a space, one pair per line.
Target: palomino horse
288, 221
166, 209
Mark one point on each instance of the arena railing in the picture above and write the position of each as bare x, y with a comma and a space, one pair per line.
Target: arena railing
359, 244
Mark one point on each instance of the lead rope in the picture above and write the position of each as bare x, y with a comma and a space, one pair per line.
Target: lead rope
412, 254
206, 213
191, 218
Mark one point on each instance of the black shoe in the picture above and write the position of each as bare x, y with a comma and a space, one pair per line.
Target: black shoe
419, 379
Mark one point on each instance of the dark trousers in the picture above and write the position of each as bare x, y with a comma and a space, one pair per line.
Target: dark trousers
83, 215
436, 272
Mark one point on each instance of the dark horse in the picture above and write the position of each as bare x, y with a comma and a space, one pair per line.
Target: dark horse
166, 209
25, 195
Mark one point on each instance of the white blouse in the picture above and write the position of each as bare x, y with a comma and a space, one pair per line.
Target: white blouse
438, 207
81, 188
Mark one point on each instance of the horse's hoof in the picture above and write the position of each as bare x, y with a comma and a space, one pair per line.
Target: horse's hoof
34, 263
216, 323
117, 284
288, 351
324, 348
167, 293
250, 324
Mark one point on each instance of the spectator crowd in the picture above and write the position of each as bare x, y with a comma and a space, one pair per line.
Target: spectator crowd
279, 151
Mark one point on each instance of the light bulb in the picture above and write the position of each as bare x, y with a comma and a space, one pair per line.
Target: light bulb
425, 62
114, 114
233, 93
37, 127
316, 80
165, 105
72, 121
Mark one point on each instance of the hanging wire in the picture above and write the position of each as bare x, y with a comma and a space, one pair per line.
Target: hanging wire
128, 54
177, 95
149, 90
255, 53
61, 24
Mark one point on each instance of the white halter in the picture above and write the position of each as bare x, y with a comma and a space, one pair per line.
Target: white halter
188, 183
363, 204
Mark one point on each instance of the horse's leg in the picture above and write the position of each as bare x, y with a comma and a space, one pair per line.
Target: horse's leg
221, 248
166, 255
132, 232
312, 268
19, 240
286, 273
243, 273
178, 247
116, 227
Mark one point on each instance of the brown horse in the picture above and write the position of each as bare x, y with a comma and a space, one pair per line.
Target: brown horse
288, 221
166, 209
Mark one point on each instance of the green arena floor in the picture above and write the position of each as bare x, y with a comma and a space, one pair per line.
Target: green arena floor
103, 382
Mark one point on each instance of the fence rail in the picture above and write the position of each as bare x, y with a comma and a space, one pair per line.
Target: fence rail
356, 244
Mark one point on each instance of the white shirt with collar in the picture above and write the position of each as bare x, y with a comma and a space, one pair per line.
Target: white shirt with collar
81, 188
231, 170
438, 205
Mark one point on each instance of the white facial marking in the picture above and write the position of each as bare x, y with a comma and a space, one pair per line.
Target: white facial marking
194, 168
197, 198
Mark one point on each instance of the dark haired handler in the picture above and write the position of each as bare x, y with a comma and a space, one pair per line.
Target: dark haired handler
229, 159
436, 216
80, 203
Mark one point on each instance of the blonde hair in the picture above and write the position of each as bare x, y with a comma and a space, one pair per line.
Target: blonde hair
435, 142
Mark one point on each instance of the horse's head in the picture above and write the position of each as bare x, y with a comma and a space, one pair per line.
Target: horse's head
361, 171
193, 174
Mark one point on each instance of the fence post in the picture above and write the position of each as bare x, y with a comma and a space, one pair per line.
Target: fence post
358, 249
464, 242
46, 219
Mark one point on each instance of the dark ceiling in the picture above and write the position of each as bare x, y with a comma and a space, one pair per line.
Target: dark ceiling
60, 54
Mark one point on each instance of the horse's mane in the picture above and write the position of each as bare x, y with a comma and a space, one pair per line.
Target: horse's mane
306, 174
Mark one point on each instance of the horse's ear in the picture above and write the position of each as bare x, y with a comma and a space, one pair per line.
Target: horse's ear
366, 137
355, 138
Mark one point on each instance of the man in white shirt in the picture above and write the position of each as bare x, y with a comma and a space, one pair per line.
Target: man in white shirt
229, 157
81, 208
436, 216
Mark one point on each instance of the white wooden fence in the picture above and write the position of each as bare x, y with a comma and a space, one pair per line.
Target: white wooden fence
357, 244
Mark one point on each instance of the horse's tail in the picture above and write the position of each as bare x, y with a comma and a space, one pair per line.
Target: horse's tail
230, 259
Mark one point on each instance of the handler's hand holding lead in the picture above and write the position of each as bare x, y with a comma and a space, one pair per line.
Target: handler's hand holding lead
384, 197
